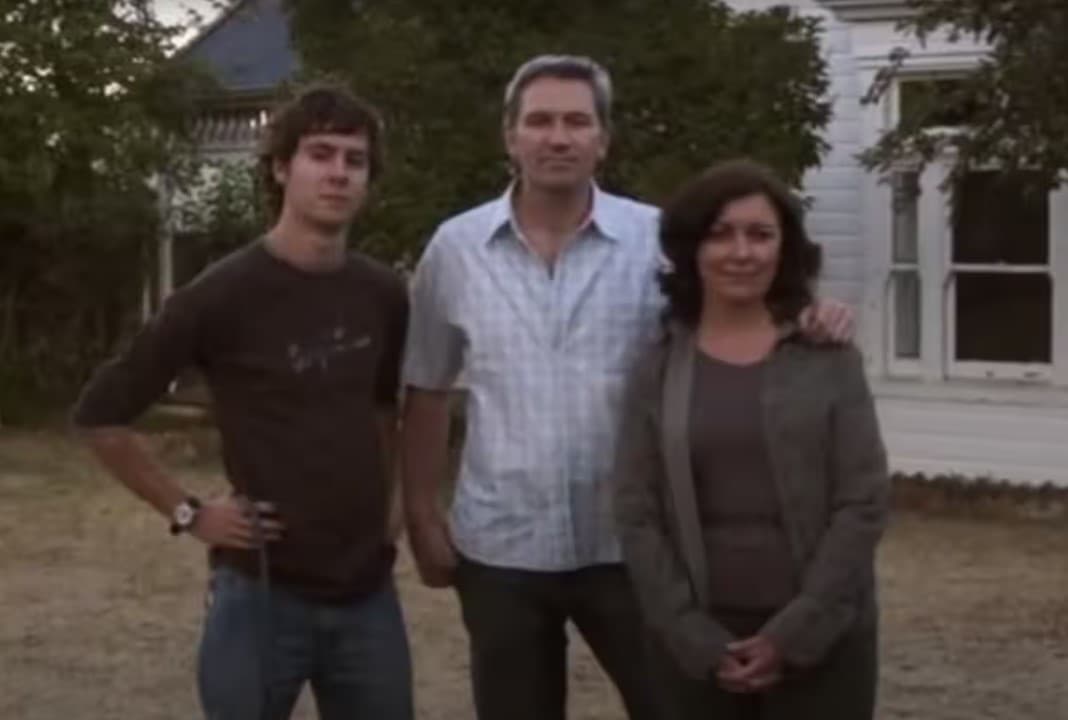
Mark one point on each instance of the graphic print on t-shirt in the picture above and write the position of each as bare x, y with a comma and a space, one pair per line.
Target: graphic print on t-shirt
317, 353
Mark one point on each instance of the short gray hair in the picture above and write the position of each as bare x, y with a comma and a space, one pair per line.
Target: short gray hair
564, 67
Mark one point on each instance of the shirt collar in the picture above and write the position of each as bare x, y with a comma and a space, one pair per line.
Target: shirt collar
602, 218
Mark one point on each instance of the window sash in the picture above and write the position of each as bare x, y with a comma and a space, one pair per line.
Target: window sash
904, 319
988, 369
937, 316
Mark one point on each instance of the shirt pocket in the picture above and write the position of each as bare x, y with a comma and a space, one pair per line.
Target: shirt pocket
496, 340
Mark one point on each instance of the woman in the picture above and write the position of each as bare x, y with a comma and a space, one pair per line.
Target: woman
752, 476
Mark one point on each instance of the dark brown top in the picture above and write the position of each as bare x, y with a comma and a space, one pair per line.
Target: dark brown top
748, 553
822, 435
298, 364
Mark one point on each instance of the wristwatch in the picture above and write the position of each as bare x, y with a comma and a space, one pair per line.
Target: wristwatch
184, 515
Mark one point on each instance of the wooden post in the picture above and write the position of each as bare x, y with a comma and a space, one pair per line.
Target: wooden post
165, 249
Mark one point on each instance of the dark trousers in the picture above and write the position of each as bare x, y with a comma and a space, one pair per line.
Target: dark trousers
842, 687
516, 622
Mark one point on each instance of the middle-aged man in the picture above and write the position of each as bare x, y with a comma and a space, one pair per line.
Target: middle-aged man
542, 299
300, 343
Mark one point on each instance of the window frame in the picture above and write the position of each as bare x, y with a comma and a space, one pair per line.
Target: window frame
899, 365
937, 272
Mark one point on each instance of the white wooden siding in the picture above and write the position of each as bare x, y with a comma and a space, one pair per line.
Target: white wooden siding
1006, 431
1003, 440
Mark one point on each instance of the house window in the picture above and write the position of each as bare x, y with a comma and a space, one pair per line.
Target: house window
933, 102
905, 268
1002, 293
977, 275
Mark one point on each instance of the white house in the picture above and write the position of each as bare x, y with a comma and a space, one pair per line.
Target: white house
246, 50
964, 316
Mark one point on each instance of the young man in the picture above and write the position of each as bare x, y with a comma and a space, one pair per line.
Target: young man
300, 343
542, 298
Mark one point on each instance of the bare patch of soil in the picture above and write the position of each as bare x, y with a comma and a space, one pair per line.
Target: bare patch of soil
101, 607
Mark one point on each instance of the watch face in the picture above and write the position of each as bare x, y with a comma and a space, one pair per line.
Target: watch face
183, 515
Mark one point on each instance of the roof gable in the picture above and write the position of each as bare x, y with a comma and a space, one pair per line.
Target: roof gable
247, 49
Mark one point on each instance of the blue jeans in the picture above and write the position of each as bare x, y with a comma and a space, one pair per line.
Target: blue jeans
258, 650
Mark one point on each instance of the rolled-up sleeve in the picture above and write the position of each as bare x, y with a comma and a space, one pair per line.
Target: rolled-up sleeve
434, 347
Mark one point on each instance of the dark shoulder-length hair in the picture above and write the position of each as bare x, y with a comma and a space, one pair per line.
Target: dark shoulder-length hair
689, 216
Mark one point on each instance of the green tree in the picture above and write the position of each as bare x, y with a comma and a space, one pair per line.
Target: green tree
91, 110
1013, 105
216, 213
695, 83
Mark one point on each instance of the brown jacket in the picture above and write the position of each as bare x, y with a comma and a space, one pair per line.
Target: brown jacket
830, 475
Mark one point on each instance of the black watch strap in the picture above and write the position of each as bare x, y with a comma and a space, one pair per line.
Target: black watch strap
184, 515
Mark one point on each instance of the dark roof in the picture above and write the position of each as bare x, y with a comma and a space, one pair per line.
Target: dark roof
246, 49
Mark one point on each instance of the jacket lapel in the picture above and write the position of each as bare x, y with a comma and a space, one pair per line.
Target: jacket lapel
675, 426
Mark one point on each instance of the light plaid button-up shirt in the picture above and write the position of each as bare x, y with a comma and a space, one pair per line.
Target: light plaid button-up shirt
544, 356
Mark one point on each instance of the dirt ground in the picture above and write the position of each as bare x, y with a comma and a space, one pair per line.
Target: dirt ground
100, 608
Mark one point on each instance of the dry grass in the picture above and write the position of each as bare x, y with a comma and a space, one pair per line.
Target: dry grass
101, 607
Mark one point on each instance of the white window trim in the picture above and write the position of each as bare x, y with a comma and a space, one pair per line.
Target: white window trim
897, 366
866, 10
902, 367
937, 281
936, 364
1058, 222
933, 238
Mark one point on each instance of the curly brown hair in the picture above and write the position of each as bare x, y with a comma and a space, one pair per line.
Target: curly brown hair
319, 108
693, 210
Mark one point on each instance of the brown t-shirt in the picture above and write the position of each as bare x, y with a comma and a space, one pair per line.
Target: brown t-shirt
298, 365
749, 561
